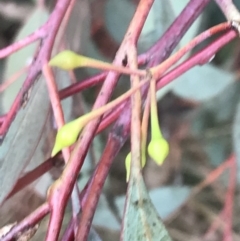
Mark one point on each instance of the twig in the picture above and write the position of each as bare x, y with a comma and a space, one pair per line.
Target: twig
160, 51
58, 114
38, 34
161, 68
229, 10
197, 59
33, 175
29, 221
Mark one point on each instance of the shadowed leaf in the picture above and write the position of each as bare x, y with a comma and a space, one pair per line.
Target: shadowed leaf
141, 221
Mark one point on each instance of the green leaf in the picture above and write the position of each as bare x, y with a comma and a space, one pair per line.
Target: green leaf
141, 221
23, 137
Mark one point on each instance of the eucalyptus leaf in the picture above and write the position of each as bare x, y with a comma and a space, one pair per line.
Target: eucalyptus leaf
166, 199
22, 138
202, 83
141, 221
25, 145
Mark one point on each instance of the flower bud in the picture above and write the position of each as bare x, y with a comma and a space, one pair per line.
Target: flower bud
68, 60
158, 150
66, 136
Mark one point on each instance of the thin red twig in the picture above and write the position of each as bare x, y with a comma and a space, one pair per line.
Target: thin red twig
33, 175
29, 221
38, 34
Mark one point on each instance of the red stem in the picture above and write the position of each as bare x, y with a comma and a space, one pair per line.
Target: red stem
199, 58
38, 34
27, 222
33, 175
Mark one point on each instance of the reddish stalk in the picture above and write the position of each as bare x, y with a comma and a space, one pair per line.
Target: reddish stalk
2, 119
33, 175
37, 35
160, 69
80, 86
198, 59
214, 226
30, 221
58, 114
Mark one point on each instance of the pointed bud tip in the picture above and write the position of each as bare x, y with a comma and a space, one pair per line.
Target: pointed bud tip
55, 150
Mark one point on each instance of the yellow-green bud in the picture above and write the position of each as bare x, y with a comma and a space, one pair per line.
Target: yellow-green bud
66, 136
158, 150
68, 60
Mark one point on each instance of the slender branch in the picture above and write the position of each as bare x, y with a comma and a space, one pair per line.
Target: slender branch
2, 119
136, 105
198, 58
38, 34
229, 10
160, 51
81, 85
33, 175
29, 221
161, 68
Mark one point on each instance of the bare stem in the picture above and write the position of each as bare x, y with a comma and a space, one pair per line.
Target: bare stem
29, 221
161, 68
229, 10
